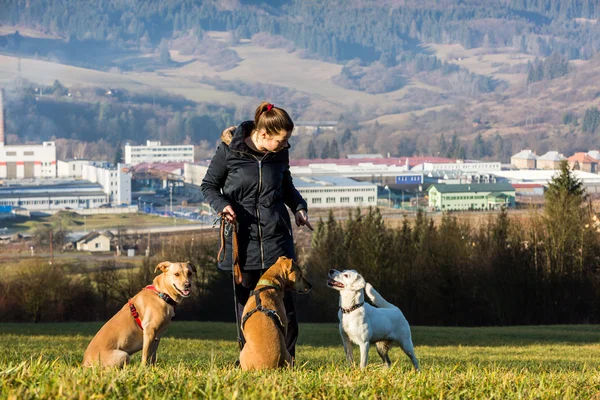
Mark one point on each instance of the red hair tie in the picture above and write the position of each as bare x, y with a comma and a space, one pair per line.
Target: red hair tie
269, 107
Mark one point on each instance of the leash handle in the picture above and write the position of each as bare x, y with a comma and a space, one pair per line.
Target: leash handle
226, 228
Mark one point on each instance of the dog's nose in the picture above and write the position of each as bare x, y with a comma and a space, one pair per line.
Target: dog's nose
331, 271
187, 285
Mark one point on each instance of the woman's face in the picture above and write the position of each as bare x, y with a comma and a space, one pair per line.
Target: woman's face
274, 143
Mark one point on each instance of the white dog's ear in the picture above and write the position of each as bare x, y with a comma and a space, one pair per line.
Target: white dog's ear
369, 289
163, 266
359, 283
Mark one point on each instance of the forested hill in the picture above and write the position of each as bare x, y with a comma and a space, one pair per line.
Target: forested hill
461, 78
334, 29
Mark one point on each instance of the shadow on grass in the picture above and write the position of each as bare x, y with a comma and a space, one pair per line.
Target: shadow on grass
326, 335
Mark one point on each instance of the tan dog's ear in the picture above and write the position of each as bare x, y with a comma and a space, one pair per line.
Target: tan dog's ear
286, 263
192, 266
163, 266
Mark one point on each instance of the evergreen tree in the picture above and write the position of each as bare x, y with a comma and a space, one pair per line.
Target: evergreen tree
346, 137
325, 151
591, 120
165, 55
478, 147
563, 220
334, 151
119, 154
312, 150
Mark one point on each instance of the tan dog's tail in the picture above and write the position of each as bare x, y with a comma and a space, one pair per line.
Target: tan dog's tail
377, 300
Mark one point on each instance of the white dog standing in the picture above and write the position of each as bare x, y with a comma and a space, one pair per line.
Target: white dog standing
363, 324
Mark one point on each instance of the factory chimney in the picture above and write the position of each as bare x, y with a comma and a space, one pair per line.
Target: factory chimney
1, 118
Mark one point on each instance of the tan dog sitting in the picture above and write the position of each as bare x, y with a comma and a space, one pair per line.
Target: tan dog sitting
264, 321
140, 324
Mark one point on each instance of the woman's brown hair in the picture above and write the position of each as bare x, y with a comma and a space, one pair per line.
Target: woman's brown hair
272, 119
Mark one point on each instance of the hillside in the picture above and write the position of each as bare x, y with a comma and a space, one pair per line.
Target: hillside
397, 80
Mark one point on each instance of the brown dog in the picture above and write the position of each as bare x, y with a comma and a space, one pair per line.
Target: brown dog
140, 324
264, 322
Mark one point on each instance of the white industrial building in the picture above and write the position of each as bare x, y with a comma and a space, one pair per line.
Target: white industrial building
333, 192
115, 182
74, 168
25, 161
386, 171
459, 165
154, 152
590, 181
53, 195
194, 173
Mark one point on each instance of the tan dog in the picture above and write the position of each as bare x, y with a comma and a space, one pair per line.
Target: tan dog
140, 324
264, 322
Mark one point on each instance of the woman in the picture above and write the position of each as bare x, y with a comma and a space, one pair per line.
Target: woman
249, 179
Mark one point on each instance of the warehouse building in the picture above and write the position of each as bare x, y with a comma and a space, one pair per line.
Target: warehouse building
334, 192
467, 197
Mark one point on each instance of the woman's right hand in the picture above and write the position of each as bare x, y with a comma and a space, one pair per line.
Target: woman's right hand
229, 213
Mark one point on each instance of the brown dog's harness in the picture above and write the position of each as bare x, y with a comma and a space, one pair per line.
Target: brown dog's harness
225, 229
136, 316
259, 307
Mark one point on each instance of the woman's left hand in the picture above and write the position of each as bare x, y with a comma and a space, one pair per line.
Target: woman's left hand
302, 219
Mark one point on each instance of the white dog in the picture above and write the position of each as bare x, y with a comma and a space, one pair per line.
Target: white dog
363, 324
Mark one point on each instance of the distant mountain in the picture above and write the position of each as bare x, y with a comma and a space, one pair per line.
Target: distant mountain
473, 78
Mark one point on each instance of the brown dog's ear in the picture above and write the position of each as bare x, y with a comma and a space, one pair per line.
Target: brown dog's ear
163, 266
286, 263
192, 266
281, 259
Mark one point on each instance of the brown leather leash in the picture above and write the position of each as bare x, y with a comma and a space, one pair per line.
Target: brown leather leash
226, 228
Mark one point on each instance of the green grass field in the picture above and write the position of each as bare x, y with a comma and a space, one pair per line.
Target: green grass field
196, 360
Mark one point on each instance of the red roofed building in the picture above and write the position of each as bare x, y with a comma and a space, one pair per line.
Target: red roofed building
582, 162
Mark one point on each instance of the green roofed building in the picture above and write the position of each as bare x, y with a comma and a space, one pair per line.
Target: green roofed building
475, 196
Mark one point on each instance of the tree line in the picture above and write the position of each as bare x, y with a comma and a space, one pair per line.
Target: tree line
91, 115
506, 271
329, 30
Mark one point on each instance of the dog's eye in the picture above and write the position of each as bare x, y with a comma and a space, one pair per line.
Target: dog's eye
189, 274
345, 275
177, 274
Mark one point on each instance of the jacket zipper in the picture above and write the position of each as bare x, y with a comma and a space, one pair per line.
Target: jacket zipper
262, 250
260, 238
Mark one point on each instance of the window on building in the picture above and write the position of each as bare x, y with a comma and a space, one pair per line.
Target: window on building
97, 245
11, 153
28, 153
344, 199
330, 200
316, 200
358, 199
371, 198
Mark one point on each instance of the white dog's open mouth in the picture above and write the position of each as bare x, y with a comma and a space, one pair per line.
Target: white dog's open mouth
333, 283
184, 293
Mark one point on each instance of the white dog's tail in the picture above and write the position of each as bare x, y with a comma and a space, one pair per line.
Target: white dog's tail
377, 300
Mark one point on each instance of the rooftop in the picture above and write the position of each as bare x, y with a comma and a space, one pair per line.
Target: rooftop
582, 157
552, 156
525, 155
163, 167
307, 181
49, 184
473, 187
